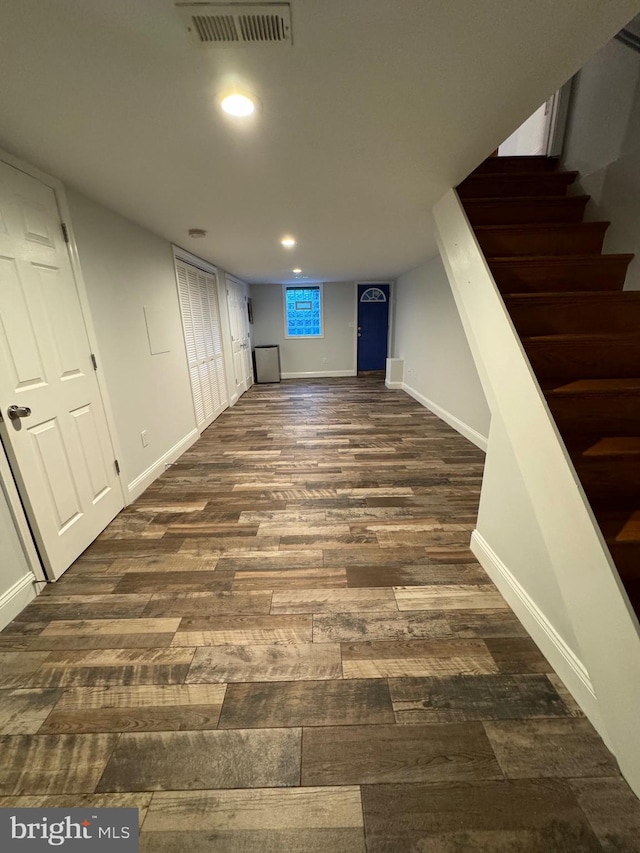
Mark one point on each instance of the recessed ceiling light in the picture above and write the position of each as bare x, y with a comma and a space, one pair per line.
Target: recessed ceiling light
238, 105
297, 271
288, 242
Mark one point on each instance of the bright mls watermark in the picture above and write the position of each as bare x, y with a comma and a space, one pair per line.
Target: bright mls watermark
86, 830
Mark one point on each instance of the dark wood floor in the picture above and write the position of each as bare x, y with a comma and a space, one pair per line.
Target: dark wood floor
285, 644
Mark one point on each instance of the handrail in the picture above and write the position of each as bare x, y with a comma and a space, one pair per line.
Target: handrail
605, 626
629, 38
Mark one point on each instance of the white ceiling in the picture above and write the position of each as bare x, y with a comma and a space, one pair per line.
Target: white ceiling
376, 110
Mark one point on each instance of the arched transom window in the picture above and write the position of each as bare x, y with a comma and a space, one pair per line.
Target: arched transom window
373, 294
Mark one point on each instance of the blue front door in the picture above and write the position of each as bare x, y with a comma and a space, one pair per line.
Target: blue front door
373, 326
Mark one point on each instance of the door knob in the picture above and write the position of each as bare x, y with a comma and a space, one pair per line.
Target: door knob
14, 413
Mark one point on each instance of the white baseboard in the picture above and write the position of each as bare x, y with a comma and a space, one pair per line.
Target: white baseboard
143, 481
464, 429
563, 660
319, 374
394, 385
16, 598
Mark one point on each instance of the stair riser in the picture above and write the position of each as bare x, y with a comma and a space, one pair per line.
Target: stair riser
552, 316
580, 239
496, 186
610, 478
496, 212
627, 560
506, 165
602, 273
567, 361
615, 414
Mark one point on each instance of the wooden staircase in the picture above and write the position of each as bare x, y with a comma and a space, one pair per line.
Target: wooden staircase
580, 330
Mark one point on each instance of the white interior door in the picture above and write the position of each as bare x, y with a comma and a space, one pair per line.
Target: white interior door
58, 441
198, 294
532, 137
240, 340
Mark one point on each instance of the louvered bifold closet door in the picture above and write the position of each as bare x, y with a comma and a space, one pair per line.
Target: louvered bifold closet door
201, 324
216, 363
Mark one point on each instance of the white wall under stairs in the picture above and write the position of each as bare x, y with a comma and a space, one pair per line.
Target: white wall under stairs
536, 535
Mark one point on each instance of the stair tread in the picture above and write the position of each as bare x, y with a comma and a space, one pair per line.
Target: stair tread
559, 259
568, 173
627, 337
595, 386
573, 296
513, 158
527, 199
625, 445
557, 226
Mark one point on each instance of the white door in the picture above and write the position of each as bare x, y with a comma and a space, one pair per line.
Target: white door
58, 441
198, 293
240, 340
532, 137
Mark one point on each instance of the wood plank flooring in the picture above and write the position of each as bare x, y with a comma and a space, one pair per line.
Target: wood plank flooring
286, 644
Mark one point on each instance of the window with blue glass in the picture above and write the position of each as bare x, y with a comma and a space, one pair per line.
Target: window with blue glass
303, 311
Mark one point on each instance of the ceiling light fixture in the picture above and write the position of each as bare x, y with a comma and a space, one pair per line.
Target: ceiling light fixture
237, 105
288, 242
297, 271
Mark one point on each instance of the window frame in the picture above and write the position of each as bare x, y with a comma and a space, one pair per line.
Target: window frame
306, 286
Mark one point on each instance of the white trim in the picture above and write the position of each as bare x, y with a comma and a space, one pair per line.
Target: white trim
318, 374
143, 481
16, 598
395, 386
464, 429
562, 658
20, 522
189, 258
561, 101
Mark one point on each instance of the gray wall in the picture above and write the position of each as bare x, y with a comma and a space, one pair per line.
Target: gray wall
603, 144
127, 268
429, 337
332, 355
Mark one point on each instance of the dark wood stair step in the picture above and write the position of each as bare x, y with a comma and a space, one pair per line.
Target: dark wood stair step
495, 211
620, 527
609, 469
559, 272
575, 312
523, 164
590, 356
596, 406
556, 238
626, 556
479, 185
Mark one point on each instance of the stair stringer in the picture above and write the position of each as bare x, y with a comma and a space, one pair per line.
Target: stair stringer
602, 620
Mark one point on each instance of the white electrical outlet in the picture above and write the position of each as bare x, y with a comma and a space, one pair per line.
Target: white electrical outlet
145, 440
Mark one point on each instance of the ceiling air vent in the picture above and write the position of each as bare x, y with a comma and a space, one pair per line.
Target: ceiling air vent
225, 24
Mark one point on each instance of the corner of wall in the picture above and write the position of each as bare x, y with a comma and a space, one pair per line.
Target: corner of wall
137, 486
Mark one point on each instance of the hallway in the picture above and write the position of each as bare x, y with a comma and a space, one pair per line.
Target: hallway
285, 644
